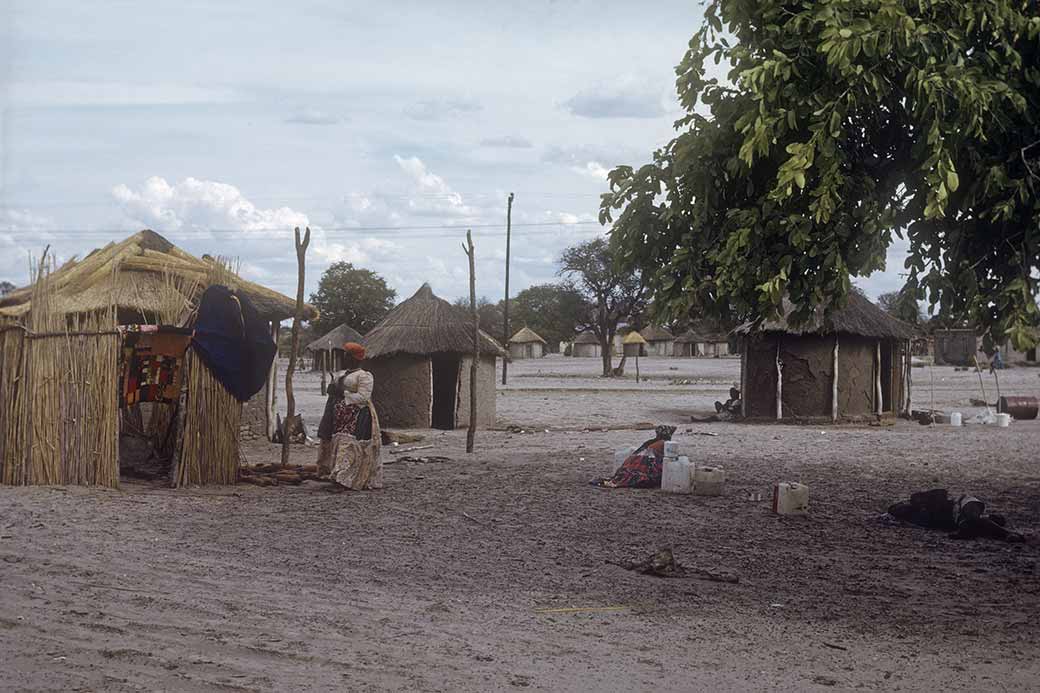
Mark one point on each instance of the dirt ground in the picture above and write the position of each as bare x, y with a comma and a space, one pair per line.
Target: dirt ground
458, 575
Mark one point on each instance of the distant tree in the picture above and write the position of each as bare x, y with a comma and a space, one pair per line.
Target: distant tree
491, 319
902, 305
612, 296
554, 311
6, 288
347, 294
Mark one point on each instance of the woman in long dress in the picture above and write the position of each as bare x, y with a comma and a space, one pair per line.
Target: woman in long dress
351, 445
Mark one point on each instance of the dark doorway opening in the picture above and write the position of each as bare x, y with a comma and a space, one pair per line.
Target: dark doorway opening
445, 390
886, 376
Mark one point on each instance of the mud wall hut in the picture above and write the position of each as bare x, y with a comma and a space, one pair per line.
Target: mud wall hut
420, 355
659, 341
854, 365
526, 344
955, 346
327, 351
586, 345
61, 346
685, 345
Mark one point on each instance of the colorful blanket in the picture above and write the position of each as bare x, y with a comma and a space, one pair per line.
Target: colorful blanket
150, 363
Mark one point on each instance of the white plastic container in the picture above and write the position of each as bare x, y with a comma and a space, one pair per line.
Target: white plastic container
671, 448
620, 455
955, 418
1003, 420
708, 481
675, 475
790, 498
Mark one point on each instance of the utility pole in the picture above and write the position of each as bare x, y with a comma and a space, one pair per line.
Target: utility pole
471, 433
509, 224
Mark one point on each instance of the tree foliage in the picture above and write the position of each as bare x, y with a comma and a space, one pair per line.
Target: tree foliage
490, 314
554, 311
612, 294
6, 288
902, 305
841, 124
351, 295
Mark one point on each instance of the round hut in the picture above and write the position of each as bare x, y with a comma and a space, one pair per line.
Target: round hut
685, 345
853, 365
327, 350
586, 345
420, 355
633, 344
526, 344
659, 341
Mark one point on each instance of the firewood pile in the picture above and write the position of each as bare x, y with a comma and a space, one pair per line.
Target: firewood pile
275, 474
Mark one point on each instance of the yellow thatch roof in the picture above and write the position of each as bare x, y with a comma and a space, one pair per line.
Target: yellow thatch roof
633, 337
526, 336
132, 275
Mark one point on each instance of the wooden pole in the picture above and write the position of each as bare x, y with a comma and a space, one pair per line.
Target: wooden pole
322, 355
744, 344
779, 383
290, 399
471, 434
877, 379
834, 384
505, 332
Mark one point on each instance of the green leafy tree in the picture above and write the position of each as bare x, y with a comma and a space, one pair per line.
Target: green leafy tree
612, 295
840, 125
902, 305
347, 294
490, 315
554, 311
6, 288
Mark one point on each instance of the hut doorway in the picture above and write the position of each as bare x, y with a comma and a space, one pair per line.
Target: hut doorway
445, 390
886, 375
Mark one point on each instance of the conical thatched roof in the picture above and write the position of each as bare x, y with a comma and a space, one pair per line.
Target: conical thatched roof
633, 337
656, 334
586, 338
425, 324
526, 336
335, 339
134, 275
859, 317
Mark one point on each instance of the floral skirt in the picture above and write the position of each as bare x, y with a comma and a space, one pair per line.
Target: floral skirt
350, 462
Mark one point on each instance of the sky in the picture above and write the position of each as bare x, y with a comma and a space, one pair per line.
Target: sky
388, 128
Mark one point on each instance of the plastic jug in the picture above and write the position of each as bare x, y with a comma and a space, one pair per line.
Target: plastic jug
671, 448
790, 498
955, 418
675, 475
708, 481
1003, 420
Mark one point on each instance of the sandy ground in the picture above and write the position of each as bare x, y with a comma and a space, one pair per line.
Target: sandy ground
447, 579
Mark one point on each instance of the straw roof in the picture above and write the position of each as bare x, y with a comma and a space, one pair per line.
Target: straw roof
586, 338
859, 317
334, 340
526, 336
633, 337
132, 275
426, 324
689, 337
657, 334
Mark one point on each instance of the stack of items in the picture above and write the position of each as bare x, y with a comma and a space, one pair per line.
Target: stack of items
679, 475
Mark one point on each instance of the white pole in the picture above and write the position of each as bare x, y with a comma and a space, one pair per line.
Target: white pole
877, 378
834, 384
779, 383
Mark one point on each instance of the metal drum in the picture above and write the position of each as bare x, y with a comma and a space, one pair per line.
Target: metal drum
1023, 408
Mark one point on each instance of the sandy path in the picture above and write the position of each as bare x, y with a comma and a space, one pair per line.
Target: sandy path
436, 582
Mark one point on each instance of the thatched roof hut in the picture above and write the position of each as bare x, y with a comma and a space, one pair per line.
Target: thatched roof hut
853, 364
586, 345
61, 361
420, 355
327, 350
526, 344
135, 275
659, 341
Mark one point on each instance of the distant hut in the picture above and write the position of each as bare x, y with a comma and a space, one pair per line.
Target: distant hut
526, 344
420, 355
854, 365
685, 345
634, 344
659, 341
955, 346
712, 344
327, 350
586, 345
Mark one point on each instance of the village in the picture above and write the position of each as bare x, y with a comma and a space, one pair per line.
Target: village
555, 347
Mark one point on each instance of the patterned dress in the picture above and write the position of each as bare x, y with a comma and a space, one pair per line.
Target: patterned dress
351, 445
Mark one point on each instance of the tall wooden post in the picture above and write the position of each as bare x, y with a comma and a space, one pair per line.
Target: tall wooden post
471, 434
779, 383
505, 332
834, 382
290, 399
879, 404
322, 356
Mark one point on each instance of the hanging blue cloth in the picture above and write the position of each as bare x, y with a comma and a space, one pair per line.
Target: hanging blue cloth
233, 341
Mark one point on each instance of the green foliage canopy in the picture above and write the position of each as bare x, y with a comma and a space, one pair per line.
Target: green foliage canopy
351, 295
554, 311
844, 123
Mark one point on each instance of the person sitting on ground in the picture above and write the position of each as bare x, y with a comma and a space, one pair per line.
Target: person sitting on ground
351, 445
732, 405
643, 468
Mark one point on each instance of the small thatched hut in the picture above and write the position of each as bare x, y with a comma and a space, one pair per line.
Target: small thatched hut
420, 355
659, 341
633, 344
526, 344
685, 345
60, 367
853, 365
586, 345
327, 350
